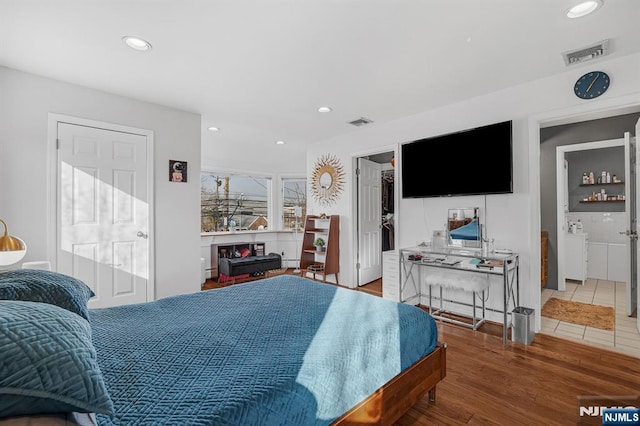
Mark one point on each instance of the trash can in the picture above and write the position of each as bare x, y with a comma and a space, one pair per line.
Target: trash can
522, 327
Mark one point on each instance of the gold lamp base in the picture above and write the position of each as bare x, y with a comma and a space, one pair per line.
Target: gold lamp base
12, 249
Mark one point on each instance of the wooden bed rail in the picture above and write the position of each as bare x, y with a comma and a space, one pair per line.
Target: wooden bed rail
396, 397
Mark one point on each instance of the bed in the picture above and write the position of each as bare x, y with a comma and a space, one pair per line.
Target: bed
281, 350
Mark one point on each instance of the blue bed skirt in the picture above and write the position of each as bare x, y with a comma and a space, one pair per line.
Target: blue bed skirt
283, 350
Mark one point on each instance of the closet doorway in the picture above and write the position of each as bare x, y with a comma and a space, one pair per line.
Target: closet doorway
375, 176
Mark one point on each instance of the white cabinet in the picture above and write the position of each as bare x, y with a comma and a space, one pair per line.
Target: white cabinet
618, 264
597, 265
391, 275
607, 261
576, 257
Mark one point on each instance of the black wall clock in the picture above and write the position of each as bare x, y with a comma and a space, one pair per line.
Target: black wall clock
591, 85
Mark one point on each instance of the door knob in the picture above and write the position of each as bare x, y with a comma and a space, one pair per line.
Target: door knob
142, 235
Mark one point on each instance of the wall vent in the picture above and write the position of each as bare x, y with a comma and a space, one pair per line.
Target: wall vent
360, 121
588, 53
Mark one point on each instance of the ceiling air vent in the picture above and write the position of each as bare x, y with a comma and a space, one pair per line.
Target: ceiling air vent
361, 121
596, 50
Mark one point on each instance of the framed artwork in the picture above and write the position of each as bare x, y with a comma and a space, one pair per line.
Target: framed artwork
177, 171
327, 180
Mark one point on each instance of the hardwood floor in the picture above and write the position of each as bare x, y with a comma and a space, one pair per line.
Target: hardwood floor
374, 287
539, 384
492, 384
213, 283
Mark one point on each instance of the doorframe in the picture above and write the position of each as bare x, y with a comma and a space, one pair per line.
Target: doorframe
354, 202
561, 186
52, 188
590, 111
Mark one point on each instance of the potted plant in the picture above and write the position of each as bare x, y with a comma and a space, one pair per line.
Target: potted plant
319, 244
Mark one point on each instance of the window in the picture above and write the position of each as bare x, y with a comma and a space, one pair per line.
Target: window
233, 202
294, 200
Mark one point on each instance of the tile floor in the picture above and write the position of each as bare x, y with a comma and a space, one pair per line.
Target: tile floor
625, 338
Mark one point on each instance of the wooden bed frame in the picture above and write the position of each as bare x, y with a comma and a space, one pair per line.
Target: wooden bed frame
396, 397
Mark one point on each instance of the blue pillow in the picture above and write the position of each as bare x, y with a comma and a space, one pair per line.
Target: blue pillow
35, 285
49, 363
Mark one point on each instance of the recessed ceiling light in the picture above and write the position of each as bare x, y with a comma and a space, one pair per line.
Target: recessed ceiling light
324, 109
584, 8
279, 142
214, 129
137, 43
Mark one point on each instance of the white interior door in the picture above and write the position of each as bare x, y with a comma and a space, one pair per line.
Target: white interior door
103, 212
562, 206
369, 221
630, 209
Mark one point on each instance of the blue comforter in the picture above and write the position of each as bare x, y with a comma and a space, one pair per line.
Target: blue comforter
283, 350
470, 231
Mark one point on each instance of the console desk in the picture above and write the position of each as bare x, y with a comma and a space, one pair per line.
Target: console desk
460, 259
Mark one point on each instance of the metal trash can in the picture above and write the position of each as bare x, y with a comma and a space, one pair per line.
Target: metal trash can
522, 330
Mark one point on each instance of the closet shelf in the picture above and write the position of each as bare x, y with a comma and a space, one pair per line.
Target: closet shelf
603, 201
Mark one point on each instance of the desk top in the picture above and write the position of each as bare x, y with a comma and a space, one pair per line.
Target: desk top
459, 252
459, 258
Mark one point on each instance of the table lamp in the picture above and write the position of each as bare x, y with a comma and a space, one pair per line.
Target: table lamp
12, 249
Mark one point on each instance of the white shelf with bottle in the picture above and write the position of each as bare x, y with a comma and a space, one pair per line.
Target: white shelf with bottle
600, 184
605, 178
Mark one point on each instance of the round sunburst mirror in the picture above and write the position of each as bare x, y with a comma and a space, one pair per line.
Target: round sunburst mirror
327, 180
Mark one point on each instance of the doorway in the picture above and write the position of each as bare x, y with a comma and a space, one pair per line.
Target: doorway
597, 210
603, 225
375, 226
102, 177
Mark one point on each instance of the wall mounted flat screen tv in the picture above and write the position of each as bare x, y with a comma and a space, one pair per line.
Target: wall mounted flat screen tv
470, 162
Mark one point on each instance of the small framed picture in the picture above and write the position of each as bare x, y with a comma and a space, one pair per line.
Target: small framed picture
177, 171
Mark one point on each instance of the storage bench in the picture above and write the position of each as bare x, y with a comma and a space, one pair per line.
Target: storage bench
248, 265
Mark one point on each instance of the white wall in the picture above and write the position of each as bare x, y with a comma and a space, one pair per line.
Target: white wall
509, 218
601, 227
25, 102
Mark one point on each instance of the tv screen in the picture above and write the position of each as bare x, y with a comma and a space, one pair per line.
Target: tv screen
470, 162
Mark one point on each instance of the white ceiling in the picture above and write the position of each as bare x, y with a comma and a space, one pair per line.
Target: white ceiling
259, 69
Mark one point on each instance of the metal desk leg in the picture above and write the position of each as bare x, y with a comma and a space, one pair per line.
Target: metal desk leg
405, 276
509, 294
505, 326
517, 278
